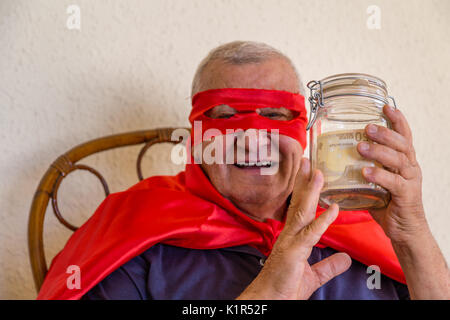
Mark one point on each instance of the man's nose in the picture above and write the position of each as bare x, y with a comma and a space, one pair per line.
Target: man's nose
253, 144
249, 136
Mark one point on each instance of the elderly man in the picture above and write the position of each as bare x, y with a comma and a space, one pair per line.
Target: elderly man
223, 230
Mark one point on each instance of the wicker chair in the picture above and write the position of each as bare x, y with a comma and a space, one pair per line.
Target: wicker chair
60, 168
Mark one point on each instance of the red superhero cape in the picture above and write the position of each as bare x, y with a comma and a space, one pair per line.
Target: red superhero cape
187, 211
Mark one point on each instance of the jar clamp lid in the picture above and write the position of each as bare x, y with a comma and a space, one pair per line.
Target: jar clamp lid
346, 84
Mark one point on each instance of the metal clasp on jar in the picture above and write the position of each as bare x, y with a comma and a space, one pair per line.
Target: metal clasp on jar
316, 99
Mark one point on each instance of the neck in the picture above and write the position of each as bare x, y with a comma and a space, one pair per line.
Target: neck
261, 212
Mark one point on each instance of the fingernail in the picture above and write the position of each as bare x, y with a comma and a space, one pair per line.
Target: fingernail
364, 146
367, 171
315, 178
372, 129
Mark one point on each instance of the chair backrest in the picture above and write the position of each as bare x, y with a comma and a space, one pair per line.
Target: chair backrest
67, 163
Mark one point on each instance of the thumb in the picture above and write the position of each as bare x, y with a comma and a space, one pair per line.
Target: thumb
305, 196
328, 268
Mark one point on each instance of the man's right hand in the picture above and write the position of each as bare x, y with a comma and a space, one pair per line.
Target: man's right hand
286, 273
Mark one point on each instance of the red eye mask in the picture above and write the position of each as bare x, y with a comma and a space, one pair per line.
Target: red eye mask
246, 102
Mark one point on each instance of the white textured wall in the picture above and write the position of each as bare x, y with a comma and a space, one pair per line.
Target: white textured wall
130, 67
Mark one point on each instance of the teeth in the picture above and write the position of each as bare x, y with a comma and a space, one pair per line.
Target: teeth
255, 164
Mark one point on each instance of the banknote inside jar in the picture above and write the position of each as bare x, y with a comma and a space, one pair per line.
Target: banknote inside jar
341, 165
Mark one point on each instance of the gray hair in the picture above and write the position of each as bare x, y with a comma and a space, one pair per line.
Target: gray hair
240, 52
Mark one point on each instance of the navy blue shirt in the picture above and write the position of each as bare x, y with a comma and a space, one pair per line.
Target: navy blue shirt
168, 272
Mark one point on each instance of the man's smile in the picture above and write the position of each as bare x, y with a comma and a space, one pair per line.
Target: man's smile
252, 165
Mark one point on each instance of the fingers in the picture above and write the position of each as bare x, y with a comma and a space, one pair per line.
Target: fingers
398, 121
305, 196
300, 243
388, 180
388, 157
392, 139
328, 268
301, 179
311, 234
392, 148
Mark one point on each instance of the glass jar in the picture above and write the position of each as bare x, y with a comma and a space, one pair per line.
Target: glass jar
341, 107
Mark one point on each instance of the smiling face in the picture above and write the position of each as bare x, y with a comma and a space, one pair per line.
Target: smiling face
259, 196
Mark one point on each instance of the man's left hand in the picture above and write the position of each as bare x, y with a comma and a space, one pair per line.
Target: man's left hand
404, 216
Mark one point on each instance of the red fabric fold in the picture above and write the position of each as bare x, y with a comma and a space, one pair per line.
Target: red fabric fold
187, 211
